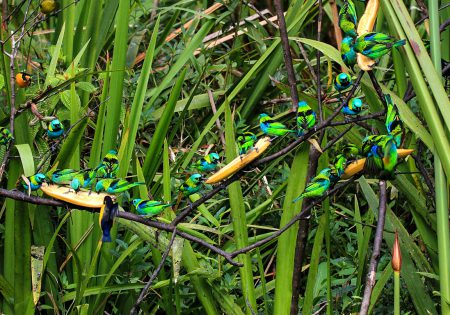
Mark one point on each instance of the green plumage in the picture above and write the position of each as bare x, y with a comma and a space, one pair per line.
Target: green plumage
271, 127
109, 166
394, 124
64, 177
192, 185
348, 18
382, 156
207, 163
82, 180
342, 82
374, 45
5, 136
246, 142
306, 117
348, 53
35, 181
317, 186
115, 185
149, 208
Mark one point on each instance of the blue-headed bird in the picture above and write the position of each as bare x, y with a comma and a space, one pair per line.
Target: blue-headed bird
55, 129
382, 156
374, 45
35, 181
207, 163
353, 107
192, 185
342, 82
348, 53
149, 208
271, 127
306, 117
317, 186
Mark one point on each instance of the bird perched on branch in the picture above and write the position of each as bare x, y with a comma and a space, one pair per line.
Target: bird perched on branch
271, 127
23, 79
35, 182
317, 186
63, 177
342, 82
115, 185
348, 53
82, 180
5, 136
108, 212
245, 142
382, 155
306, 117
192, 185
55, 129
353, 107
149, 208
348, 18
109, 166
374, 45
394, 124
207, 163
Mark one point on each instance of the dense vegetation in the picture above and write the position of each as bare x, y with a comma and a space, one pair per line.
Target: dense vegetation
167, 82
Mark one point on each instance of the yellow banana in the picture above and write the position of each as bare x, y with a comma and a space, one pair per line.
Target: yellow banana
82, 198
365, 25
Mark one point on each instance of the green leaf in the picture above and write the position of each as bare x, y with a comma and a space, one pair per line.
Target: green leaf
86, 86
26, 156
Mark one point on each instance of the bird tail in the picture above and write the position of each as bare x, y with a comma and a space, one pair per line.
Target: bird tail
298, 198
399, 43
106, 237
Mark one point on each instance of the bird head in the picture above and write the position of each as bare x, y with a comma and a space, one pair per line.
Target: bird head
302, 104
99, 186
214, 156
356, 103
196, 178
344, 79
136, 202
348, 40
326, 172
40, 178
54, 125
112, 152
263, 117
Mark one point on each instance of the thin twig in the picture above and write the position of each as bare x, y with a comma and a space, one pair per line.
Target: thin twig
305, 57
319, 86
155, 273
371, 273
214, 109
287, 54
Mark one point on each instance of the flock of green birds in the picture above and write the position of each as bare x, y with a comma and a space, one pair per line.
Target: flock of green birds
380, 150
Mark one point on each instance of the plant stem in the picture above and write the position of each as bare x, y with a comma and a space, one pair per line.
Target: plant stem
396, 293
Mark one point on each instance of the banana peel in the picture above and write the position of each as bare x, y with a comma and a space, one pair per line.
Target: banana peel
240, 162
82, 198
358, 165
365, 25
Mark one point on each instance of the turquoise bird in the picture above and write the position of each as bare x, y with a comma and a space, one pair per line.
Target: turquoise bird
82, 180
382, 156
35, 180
64, 177
306, 117
192, 185
348, 18
348, 53
115, 185
106, 217
5, 136
149, 208
342, 82
207, 163
245, 142
374, 45
317, 186
109, 166
394, 124
55, 129
354, 107
271, 127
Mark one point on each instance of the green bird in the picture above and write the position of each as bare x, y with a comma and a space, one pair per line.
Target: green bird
109, 166
317, 186
348, 18
64, 177
108, 212
149, 208
192, 185
394, 124
306, 117
342, 82
374, 45
207, 163
5, 136
382, 156
83, 180
348, 53
245, 142
350, 151
55, 129
35, 181
354, 107
115, 185
272, 128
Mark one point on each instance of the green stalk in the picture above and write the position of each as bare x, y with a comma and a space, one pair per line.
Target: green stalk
443, 234
239, 220
396, 293
69, 20
117, 77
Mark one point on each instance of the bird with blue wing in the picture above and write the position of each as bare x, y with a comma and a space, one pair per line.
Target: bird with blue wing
55, 129
348, 18
374, 45
394, 125
245, 142
64, 176
83, 179
353, 107
348, 53
191, 185
115, 185
149, 208
108, 212
109, 166
342, 82
382, 156
317, 186
34, 182
207, 163
271, 127
306, 117
5, 136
